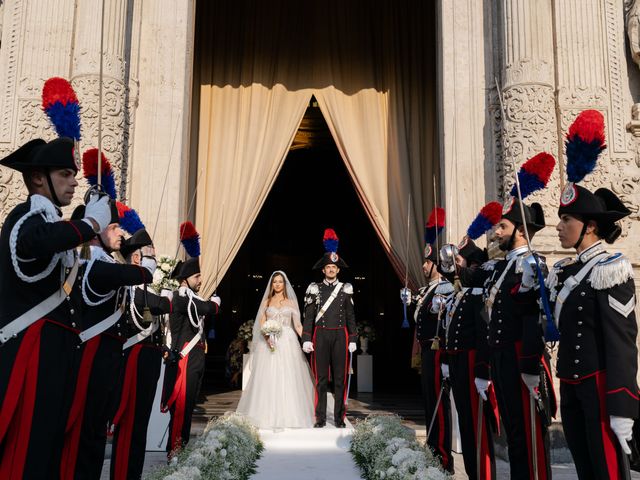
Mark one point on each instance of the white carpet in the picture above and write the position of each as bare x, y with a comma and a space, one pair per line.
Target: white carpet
307, 454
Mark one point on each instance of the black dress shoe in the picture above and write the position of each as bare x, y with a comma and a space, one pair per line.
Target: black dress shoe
341, 424
319, 424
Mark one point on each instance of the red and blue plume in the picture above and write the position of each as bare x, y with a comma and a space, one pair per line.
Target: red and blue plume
190, 239
435, 224
489, 216
60, 103
129, 218
585, 141
90, 171
330, 240
534, 174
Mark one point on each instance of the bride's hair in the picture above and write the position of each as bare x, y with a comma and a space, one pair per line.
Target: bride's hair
272, 292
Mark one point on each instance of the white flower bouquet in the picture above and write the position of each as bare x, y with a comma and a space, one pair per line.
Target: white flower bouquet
162, 276
227, 450
383, 448
271, 330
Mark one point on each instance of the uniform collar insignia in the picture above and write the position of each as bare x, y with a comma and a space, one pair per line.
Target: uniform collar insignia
590, 252
517, 252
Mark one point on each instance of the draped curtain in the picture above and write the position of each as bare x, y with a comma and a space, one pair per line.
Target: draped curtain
371, 67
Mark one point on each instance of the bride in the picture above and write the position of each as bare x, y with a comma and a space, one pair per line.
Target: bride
279, 393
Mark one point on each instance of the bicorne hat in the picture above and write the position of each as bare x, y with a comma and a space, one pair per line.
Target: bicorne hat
533, 214
38, 154
330, 241
135, 242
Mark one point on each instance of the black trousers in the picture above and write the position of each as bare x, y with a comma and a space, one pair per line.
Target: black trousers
182, 395
594, 447
330, 348
140, 380
462, 379
513, 402
42, 390
101, 403
439, 439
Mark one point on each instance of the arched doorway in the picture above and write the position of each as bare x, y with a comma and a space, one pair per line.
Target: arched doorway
312, 192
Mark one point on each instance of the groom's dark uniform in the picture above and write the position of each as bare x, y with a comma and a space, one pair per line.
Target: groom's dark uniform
329, 322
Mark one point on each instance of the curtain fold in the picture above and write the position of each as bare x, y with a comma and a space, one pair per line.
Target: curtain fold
371, 65
248, 134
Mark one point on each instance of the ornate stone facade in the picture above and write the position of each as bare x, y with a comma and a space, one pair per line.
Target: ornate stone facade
549, 62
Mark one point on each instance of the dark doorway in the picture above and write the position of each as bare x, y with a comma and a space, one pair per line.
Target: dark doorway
312, 192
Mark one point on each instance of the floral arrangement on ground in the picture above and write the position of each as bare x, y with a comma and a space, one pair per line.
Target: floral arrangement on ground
384, 449
228, 449
366, 330
237, 348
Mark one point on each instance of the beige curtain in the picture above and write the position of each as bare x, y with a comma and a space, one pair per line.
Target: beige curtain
370, 65
249, 132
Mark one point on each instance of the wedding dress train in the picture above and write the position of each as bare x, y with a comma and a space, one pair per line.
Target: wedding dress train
280, 392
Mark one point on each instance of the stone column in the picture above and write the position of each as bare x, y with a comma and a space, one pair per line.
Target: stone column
37, 40
85, 78
592, 73
163, 118
526, 79
464, 63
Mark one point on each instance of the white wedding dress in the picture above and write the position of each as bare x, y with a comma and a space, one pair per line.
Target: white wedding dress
280, 391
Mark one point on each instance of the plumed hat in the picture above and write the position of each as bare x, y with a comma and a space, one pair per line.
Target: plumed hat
135, 242
38, 154
534, 214
585, 141
190, 239
330, 241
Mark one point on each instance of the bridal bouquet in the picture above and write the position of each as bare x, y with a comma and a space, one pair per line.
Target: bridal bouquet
271, 330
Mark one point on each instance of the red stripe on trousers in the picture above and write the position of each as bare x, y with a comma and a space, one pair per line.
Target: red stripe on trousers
441, 421
609, 440
315, 373
346, 373
76, 415
541, 457
179, 399
17, 406
125, 415
485, 471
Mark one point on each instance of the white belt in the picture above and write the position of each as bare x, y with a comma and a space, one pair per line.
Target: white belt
329, 301
137, 338
34, 314
105, 324
571, 283
194, 341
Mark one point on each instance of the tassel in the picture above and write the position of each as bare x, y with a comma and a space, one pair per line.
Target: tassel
612, 271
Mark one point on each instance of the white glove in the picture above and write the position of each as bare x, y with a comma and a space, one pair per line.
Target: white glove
352, 347
405, 296
307, 347
532, 382
482, 385
622, 427
438, 303
445, 370
165, 292
448, 254
529, 277
98, 208
217, 300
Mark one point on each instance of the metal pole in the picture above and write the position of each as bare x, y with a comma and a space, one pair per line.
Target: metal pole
100, 81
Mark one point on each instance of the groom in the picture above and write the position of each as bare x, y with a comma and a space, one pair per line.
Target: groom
329, 331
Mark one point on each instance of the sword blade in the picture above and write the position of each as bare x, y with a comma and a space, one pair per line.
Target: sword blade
534, 447
435, 411
479, 437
